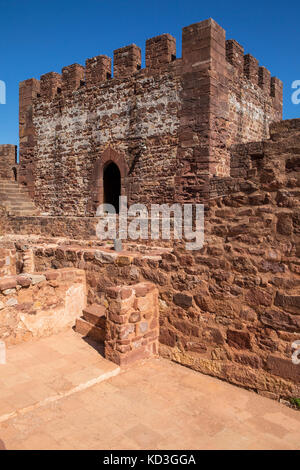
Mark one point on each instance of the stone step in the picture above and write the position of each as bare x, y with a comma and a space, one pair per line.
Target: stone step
12, 191
95, 314
19, 203
15, 199
89, 330
20, 208
21, 200
23, 214
20, 213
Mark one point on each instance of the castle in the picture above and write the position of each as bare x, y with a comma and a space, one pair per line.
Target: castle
203, 128
168, 128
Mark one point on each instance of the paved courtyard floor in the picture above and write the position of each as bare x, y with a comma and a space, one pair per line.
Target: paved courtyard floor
44, 370
154, 405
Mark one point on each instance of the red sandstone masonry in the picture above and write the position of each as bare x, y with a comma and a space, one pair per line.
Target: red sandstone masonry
160, 51
8, 162
50, 85
214, 96
7, 261
179, 130
72, 77
127, 61
231, 309
97, 70
40, 304
132, 327
28, 92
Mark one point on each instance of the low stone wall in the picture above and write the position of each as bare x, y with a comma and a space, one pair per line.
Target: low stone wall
104, 267
76, 228
7, 260
37, 305
72, 227
231, 309
132, 327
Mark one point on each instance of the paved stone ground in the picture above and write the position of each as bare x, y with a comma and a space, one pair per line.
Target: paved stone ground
42, 371
155, 405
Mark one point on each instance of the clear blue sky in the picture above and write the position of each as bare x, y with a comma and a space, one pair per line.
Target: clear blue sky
39, 36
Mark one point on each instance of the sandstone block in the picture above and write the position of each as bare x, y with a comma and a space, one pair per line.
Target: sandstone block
183, 300
239, 339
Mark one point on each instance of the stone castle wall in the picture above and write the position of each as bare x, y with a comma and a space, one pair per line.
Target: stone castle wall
231, 309
201, 128
168, 126
8, 162
235, 307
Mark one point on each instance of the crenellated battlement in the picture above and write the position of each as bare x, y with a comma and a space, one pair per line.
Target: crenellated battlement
200, 41
127, 61
97, 70
172, 121
160, 50
248, 66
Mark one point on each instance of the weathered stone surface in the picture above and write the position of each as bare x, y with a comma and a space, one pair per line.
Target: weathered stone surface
133, 336
223, 309
11, 302
23, 281
134, 317
257, 296
248, 360
36, 278
105, 257
290, 303
167, 337
284, 224
239, 339
283, 368
36, 310
183, 300
8, 284
281, 320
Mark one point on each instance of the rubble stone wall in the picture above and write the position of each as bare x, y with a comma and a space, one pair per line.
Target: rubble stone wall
132, 323
7, 260
231, 309
168, 127
8, 162
234, 307
40, 304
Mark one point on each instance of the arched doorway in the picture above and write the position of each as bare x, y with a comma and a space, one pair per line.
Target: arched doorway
112, 185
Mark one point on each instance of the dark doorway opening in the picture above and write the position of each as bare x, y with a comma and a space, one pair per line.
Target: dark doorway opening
112, 185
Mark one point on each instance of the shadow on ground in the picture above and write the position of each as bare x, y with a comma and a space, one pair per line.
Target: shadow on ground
2, 445
99, 347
